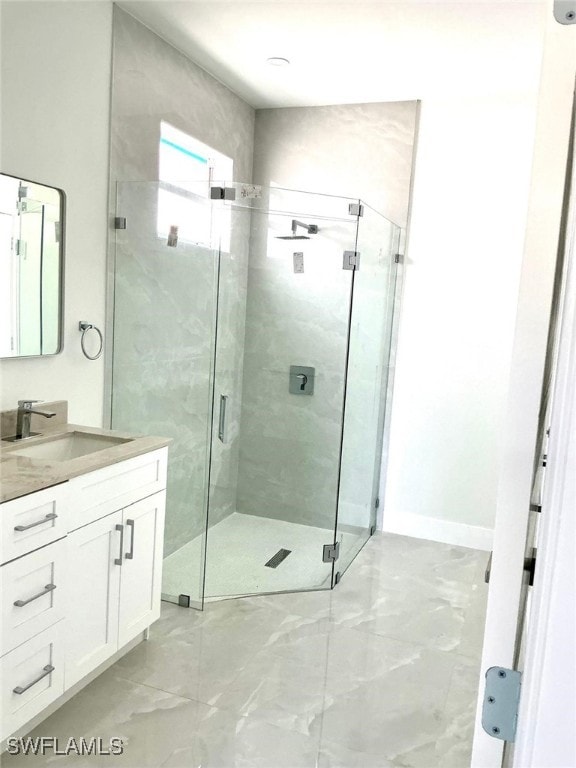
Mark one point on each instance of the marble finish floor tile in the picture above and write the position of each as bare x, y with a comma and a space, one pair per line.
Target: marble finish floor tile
150, 722
381, 672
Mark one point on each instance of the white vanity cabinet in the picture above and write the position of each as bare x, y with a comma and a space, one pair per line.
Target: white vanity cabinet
80, 578
115, 566
33, 593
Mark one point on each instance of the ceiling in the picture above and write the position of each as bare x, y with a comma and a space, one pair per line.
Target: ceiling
355, 52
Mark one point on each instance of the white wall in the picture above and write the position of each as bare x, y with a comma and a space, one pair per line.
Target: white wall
465, 246
353, 150
56, 60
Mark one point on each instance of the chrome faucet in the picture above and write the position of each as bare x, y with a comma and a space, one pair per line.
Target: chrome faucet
24, 416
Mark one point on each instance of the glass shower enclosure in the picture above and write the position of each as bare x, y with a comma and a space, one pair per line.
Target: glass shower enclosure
254, 327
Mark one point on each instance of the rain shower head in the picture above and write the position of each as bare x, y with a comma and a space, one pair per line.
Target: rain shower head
312, 229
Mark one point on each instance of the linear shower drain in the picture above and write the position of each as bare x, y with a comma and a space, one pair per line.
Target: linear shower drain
281, 555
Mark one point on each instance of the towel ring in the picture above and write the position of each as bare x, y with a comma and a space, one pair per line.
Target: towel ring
85, 327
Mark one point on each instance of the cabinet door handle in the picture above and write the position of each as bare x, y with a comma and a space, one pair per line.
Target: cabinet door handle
118, 560
47, 589
47, 670
130, 555
51, 516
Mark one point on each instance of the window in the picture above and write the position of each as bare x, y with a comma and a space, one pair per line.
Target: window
186, 169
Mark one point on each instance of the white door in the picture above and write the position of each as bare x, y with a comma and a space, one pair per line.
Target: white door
546, 734
520, 422
141, 578
94, 586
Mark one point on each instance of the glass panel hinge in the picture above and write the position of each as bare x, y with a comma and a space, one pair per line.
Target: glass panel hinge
222, 193
356, 209
331, 552
351, 260
120, 222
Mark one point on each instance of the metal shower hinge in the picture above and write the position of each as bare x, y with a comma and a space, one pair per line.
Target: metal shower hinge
501, 699
222, 193
565, 11
356, 209
331, 552
351, 260
397, 258
120, 222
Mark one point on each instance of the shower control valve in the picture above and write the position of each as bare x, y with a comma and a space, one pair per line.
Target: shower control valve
301, 380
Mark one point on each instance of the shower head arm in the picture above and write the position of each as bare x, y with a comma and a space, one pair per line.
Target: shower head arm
312, 229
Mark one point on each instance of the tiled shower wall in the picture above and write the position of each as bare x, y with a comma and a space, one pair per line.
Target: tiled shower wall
289, 448
166, 294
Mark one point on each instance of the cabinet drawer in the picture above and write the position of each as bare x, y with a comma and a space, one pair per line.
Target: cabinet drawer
106, 490
32, 521
32, 677
33, 594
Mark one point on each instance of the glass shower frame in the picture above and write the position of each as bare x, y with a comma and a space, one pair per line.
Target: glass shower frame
224, 220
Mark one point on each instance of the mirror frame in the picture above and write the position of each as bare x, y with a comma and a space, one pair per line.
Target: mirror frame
61, 273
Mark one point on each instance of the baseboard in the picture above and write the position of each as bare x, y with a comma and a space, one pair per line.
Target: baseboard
444, 531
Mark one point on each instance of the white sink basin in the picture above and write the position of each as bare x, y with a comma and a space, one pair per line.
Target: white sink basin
69, 446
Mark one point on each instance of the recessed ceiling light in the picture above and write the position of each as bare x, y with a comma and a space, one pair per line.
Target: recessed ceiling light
277, 61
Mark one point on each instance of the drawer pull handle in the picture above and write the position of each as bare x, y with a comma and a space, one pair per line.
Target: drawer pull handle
130, 555
47, 670
51, 516
47, 589
118, 560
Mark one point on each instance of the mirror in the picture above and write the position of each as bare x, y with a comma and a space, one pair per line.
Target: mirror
31, 268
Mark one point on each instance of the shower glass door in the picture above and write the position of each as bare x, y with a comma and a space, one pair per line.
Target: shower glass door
165, 284
280, 373
375, 292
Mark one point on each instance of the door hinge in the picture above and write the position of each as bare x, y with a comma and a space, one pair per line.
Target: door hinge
372, 530
351, 260
565, 11
377, 503
184, 601
356, 209
397, 258
501, 698
20, 247
331, 552
222, 193
120, 222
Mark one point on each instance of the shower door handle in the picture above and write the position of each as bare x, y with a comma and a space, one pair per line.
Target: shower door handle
222, 419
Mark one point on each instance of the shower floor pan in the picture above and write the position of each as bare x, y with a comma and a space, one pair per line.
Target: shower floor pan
239, 548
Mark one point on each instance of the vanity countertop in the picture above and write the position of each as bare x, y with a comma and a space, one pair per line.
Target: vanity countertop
20, 475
